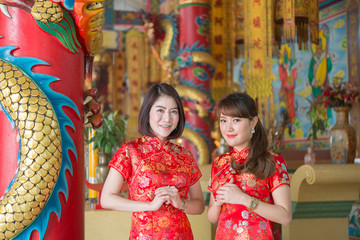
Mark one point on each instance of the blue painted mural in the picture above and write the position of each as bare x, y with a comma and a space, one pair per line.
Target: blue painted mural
300, 74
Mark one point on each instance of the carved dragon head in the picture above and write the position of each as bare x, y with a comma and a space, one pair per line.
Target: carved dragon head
87, 14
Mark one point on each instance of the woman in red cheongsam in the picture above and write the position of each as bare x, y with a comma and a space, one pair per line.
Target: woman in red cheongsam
249, 185
163, 177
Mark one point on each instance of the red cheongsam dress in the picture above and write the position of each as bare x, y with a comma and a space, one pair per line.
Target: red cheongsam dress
147, 164
236, 221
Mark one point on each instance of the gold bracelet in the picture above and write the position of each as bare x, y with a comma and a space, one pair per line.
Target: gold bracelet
254, 203
184, 206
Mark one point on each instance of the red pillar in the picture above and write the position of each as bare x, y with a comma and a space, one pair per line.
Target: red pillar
196, 71
63, 215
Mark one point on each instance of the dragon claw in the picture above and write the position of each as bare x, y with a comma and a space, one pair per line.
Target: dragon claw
4, 9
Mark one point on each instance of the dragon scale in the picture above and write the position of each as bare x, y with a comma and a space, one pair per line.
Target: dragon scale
40, 150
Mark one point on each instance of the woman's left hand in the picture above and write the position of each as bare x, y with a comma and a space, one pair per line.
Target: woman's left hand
173, 192
231, 193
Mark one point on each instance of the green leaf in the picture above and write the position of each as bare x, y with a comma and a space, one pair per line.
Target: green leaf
111, 135
108, 148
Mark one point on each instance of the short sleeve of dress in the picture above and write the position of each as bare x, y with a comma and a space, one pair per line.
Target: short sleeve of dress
213, 181
195, 172
121, 161
280, 176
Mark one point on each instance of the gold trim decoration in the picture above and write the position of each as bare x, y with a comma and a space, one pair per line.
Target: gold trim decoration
194, 95
182, 2
155, 67
93, 162
167, 63
200, 144
189, 92
163, 56
203, 57
167, 27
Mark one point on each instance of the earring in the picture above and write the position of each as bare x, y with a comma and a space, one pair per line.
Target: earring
253, 130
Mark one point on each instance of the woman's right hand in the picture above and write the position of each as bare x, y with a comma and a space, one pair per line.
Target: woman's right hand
214, 209
158, 201
217, 203
173, 196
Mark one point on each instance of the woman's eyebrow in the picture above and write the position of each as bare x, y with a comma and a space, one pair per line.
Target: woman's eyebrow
160, 106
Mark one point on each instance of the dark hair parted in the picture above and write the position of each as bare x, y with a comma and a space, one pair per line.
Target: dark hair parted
259, 162
153, 93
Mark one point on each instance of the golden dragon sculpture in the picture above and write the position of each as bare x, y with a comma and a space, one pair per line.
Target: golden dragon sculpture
41, 152
30, 109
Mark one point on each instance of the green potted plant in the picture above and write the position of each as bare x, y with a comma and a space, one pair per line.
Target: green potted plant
111, 134
107, 139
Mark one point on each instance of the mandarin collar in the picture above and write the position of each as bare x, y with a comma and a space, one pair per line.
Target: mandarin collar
244, 150
242, 155
156, 143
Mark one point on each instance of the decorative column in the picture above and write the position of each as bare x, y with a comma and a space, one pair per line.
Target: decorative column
42, 71
93, 162
197, 67
219, 43
135, 60
258, 55
119, 80
352, 25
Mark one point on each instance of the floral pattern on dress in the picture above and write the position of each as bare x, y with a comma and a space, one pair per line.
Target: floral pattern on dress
147, 164
235, 220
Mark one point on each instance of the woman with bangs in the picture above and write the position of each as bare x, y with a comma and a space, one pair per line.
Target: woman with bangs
163, 177
249, 185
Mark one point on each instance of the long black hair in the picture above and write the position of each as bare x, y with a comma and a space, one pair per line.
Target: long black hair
259, 161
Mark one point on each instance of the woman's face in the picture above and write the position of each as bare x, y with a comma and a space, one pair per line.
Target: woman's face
237, 131
164, 117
